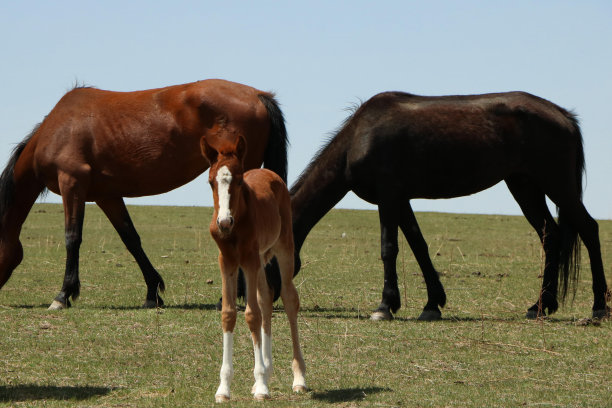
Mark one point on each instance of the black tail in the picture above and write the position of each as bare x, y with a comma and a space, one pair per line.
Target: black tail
7, 180
275, 157
569, 258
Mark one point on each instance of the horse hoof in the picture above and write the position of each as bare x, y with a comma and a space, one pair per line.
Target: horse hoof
149, 304
381, 315
602, 313
533, 315
220, 398
430, 315
57, 306
300, 389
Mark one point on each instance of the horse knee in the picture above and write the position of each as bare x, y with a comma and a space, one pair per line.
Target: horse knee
253, 319
389, 251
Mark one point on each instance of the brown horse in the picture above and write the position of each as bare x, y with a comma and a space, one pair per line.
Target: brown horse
251, 224
397, 146
101, 146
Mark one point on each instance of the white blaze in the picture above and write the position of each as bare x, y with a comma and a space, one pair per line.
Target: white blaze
224, 179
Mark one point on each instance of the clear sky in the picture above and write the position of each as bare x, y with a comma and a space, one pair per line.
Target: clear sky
319, 57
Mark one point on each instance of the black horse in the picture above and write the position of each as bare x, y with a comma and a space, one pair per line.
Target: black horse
397, 146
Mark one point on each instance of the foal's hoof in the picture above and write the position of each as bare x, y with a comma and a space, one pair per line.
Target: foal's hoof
381, 315
430, 315
300, 389
602, 313
56, 305
261, 397
220, 398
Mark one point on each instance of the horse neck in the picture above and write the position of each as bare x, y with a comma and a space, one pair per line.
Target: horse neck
318, 189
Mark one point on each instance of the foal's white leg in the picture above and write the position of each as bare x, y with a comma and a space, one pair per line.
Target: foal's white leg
227, 368
266, 345
260, 389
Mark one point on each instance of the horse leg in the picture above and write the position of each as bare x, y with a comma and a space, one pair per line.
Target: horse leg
291, 302
73, 197
533, 205
229, 273
588, 229
388, 242
435, 291
264, 300
117, 213
252, 268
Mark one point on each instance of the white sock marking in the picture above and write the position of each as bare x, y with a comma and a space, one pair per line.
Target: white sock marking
227, 368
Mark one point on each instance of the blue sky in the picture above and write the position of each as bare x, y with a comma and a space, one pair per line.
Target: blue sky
319, 57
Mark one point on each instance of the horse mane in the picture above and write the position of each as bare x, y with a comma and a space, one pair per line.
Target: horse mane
331, 137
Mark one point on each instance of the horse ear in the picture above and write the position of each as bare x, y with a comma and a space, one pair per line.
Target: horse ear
241, 147
208, 151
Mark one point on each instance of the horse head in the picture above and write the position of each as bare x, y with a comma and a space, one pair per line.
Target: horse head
225, 178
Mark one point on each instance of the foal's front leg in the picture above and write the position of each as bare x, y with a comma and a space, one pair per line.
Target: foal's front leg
229, 275
254, 321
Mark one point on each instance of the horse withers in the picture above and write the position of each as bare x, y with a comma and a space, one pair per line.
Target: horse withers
397, 146
101, 146
251, 224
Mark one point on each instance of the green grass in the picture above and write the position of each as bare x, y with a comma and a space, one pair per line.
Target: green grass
107, 352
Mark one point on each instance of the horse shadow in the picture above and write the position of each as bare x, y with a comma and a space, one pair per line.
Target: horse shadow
34, 392
347, 394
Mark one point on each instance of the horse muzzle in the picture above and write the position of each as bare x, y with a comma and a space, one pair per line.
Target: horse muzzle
225, 224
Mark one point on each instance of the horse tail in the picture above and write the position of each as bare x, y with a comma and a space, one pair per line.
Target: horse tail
275, 156
569, 257
7, 179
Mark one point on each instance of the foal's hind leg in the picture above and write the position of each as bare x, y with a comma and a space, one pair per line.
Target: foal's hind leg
117, 213
532, 201
291, 302
435, 291
73, 197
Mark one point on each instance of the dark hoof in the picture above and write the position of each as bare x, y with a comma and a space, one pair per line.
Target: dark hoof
534, 314
381, 315
152, 304
430, 315
602, 313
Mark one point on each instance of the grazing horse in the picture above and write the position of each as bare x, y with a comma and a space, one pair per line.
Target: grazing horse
397, 146
251, 224
101, 146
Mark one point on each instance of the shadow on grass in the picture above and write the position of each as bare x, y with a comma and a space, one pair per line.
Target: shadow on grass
33, 392
347, 394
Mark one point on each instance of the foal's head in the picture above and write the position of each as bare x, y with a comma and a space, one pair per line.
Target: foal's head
225, 178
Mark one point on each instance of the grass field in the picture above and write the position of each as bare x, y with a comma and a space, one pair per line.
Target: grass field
107, 352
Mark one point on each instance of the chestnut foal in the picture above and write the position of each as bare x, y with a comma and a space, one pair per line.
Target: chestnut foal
251, 224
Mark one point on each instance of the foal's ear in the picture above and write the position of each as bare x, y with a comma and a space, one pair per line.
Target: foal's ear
208, 151
241, 147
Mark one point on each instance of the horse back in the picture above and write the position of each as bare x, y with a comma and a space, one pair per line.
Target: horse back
146, 142
269, 207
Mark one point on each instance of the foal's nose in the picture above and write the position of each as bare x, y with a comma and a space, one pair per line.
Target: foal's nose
225, 223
